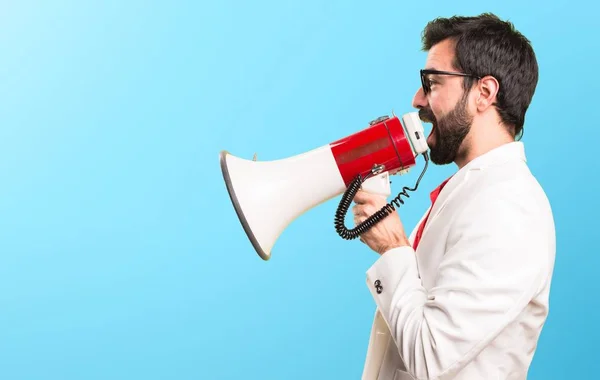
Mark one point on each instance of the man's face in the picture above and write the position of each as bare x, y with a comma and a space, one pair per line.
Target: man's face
445, 107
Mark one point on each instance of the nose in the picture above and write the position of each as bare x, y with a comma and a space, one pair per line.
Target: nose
420, 100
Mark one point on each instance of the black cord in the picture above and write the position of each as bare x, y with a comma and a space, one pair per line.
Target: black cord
386, 210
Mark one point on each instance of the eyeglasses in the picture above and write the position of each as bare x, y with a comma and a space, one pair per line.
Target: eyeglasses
427, 86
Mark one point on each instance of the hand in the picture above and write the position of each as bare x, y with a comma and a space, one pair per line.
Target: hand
385, 235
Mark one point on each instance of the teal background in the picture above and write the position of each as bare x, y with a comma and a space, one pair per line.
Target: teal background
120, 254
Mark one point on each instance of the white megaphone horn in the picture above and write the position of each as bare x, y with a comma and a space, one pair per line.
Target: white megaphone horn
269, 195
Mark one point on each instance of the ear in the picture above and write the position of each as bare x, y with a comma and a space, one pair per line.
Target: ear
488, 90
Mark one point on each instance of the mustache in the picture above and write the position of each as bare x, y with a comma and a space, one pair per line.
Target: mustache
426, 115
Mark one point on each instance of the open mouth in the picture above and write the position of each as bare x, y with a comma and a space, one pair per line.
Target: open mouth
426, 117
431, 135
432, 124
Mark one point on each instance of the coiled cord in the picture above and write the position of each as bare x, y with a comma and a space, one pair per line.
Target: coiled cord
371, 221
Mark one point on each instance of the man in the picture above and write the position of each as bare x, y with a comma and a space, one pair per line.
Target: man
465, 296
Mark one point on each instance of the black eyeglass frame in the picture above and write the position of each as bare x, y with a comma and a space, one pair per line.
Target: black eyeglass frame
425, 72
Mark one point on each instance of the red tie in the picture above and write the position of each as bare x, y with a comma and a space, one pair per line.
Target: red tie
433, 195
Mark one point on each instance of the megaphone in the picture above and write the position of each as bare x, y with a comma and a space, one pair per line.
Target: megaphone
269, 195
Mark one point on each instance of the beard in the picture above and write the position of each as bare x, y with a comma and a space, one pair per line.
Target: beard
449, 132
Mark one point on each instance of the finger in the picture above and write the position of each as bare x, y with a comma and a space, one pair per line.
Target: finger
359, 216
362, 197
362, 211
358, 220
358, 210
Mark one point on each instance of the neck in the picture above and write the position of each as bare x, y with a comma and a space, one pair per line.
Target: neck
482, 138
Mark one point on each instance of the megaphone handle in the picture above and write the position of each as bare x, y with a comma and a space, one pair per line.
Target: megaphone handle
379, 184
348, 196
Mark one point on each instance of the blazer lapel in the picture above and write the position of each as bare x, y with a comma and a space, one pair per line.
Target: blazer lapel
513, 150
450, 189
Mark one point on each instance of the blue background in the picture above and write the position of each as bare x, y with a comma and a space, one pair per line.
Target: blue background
120, 254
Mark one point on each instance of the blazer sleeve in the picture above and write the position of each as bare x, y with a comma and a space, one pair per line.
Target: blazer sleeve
495, 262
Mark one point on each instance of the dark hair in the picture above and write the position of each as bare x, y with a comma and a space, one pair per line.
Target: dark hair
486, 45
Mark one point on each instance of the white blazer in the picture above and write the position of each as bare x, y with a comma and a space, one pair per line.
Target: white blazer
472, 301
